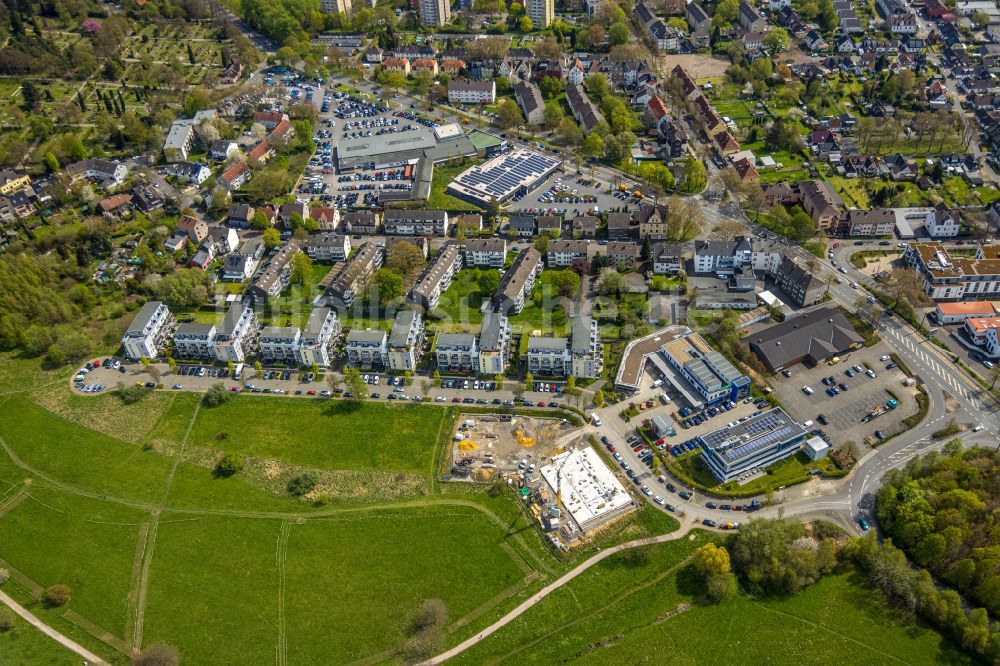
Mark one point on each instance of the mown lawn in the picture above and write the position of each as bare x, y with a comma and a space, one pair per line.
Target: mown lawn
464, 297
53, 537
336, 435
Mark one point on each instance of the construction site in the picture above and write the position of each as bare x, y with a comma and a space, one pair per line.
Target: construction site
488, 446
563, 482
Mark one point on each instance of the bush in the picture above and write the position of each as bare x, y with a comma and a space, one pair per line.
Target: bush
4, 575
216, 395
230, 464
131, 394
302, 484
157, 654
6, 619
57, 595
720, 586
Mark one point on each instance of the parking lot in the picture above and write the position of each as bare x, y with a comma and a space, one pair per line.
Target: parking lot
851, 396
347, 118
570, 194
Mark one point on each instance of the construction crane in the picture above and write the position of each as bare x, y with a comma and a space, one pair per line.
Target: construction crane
559, 470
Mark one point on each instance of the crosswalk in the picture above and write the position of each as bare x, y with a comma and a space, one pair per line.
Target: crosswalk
945, 374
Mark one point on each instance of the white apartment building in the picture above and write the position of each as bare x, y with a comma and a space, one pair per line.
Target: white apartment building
146, 334
328, 247
402, 222
456, 352
279, 344
541, 12
194, 341
436, 279
581, 355
489, 252
942, 222
983, 333
562, 253
549, 357
321, 331
367, 348
464, 91
586, 348
406, 341
236, 337
494, 344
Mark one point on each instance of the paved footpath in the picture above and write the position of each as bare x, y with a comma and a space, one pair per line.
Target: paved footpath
552, 587
67, 643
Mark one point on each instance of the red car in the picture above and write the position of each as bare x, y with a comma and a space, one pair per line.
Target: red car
310, 392
659, 441
836, 245
638, 448
235, 389
611, 448
456, 399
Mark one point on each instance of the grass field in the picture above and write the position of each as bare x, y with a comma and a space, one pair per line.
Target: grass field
70, 531
324, 434
637, 609
232, 571
24, 644
64, 451
439, 197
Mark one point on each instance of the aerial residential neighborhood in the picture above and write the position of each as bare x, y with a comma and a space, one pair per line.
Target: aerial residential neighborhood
478, 332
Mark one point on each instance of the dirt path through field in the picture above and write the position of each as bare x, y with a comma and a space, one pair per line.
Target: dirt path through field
67, 643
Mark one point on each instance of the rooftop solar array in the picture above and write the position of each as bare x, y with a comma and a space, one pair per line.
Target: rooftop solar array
503, 175
753, 434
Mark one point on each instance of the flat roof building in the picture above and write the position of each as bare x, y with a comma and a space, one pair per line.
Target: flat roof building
503, 177
590, 491
367, 348
754, 444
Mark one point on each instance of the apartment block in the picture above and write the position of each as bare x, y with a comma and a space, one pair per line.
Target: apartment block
277, 274
328, 247
402, 222
541, 12
586, 348
351, 278
518, 282
488, 252
237, 336
367, 349
456, 352
321, 332
434, 12
494, 344
436, 278
194, 341
279, 344
147, 332
406, 341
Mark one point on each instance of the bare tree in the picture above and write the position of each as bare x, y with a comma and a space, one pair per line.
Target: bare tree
728, 229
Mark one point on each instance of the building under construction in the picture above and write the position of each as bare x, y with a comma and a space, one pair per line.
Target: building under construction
583, 493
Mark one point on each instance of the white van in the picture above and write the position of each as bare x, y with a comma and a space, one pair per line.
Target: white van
658, 383
664, 398
595, 419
